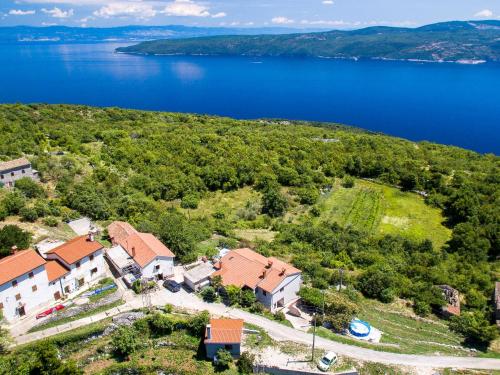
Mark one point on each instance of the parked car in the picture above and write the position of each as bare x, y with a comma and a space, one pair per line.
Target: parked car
172, 285
49, 311
327, 361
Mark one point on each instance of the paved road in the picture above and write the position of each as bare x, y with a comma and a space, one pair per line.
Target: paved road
278, 332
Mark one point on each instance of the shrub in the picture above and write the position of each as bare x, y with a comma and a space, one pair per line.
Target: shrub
233, 295
475, 327
160, 324
208, 294
12, 235
273, 202
348, 182
245, 363
28, 214
197, 324
3, 212
247, 298
29, 188
50, 221
257, 308
13, 202
137, 287
190, 201
308, 195
224, 359
168, 308
279, 316
125, 341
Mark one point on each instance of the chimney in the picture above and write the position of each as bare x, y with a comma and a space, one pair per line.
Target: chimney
14, 249
269, 264
209, 332
90, 236
283, 270
133, 251
264, 273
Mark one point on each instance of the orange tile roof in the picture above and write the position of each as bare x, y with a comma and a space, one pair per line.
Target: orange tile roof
145, 246
224, 331
119, 231
245, 267
19, 264
76, 249
16, 163
55, 270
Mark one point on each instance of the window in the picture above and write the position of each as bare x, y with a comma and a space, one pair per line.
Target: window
78, 264
228, 347
23, 172
12, 174
91, 257
282, 290
66, 289
18, 297
31, 275
14, 283
1, 176
93, 270
34, 288
1, 305
157, 267
264, 292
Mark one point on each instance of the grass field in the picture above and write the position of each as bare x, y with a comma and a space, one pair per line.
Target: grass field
381, 209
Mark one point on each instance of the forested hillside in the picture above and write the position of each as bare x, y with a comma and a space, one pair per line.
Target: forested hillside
155, 169
447, 41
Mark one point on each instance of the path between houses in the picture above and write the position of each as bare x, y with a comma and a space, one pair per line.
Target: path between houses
277, 331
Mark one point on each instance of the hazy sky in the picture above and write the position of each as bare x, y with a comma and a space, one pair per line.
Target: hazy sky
247, 13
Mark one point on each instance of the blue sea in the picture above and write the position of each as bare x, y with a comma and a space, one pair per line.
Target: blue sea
445, 103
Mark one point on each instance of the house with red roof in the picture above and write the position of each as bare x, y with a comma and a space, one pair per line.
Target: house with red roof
141, 254
75, 264
223, 334
275, 283
23, 284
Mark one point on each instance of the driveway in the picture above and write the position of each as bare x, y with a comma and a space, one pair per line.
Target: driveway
279, 332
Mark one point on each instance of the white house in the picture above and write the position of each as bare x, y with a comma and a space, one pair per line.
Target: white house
23, 284
142, 251
83, 257
275, 283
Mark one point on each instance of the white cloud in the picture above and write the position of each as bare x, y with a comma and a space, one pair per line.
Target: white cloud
49, 24
58, 13
123, 9
485, 13
327, 2
282, 20
18, 12
186, 8
219, 15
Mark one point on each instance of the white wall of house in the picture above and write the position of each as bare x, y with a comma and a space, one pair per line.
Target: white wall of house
160, 265
83, 272
286, 292
29, 298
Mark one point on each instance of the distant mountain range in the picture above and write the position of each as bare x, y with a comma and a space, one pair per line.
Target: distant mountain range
63, 34
459, 41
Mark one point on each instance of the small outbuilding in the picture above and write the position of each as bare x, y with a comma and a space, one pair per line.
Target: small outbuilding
199, 277
224, 334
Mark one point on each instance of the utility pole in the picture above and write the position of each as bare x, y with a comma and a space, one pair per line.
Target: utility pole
314, 336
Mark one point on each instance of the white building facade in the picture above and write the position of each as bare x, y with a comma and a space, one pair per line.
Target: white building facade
24, 284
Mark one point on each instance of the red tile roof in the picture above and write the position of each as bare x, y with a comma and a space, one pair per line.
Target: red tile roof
245, 267
76, 249
19, 264
16, 163
142, 247
224, 331
55, 270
